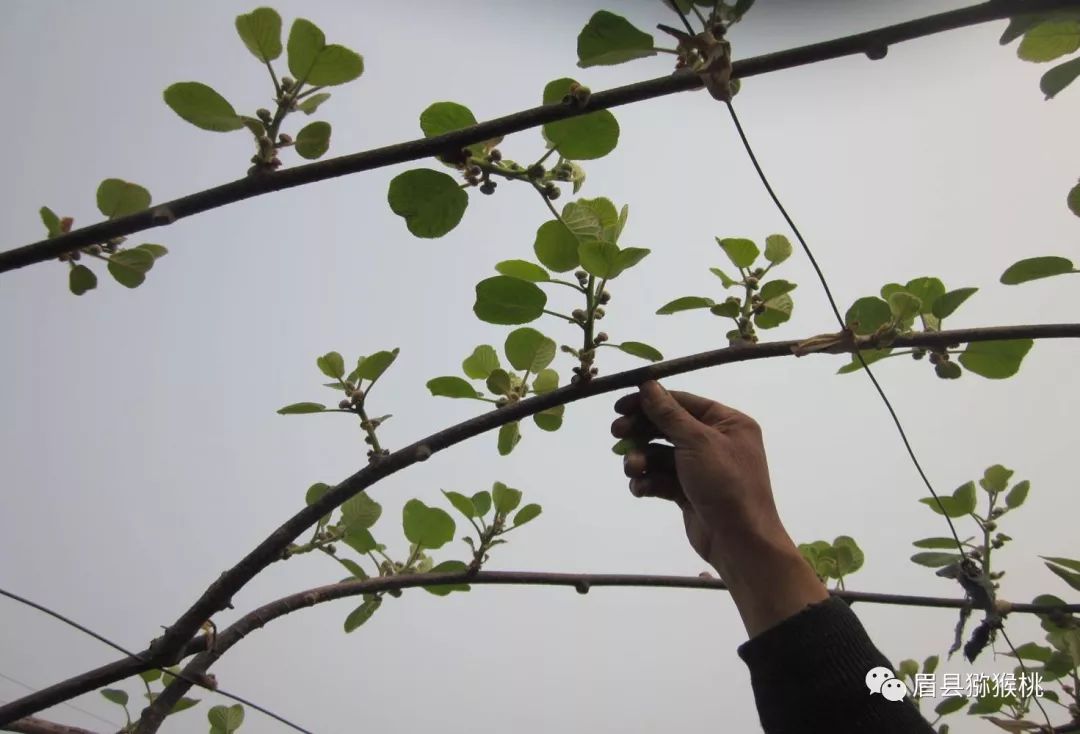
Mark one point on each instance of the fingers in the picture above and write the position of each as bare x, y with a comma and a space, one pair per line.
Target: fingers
635, 426
694, 404
669, 415
652, 473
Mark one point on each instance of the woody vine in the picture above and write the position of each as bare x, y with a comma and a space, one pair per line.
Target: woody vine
567, 285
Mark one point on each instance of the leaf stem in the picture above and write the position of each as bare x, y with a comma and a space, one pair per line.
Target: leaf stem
559, 315
273, 76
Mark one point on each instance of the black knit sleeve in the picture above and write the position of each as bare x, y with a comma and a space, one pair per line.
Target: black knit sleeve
809, 675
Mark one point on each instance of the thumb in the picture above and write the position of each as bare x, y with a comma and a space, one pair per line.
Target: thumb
673, 420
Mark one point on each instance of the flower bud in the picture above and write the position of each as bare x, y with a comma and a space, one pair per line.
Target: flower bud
578, 314
752, 283
287, 83
582, 276
263, 114
918, 353
344, 405
285, 139
474, 171
601, 337
488, 187
535, 171
494, 156
605, 297
599, 312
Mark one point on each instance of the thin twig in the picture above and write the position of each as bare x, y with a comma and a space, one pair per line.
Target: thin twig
681, 81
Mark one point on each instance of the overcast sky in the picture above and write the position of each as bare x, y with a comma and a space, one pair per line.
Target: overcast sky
142, 455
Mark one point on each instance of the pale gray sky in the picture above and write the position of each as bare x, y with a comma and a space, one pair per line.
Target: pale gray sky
141, 451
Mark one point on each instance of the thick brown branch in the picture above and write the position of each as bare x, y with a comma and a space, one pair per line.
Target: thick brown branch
582, 582
34, 725
217, 596
245, 188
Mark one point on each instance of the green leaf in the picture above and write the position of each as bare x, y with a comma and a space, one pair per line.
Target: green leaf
930, 664
313, 62
1049, 40
594, 219
550, 419
115, 695
960, 503
447, 567
1032, 651
300, 408
741, 252
156, 251
373, 366
482, 502
509, 435
546, 381
332, 365
202, 107
1017, 494
996, 478
869, 356
1072, 578
996, 360
446, 117
724, 278
313, 140
451, 387
526, 513
556, 247
308, 105
129, 267
642, 350
907, 669
685, 303
505, 498
51, 221
229, 718
945, 305
429, 527
950, 705
867, 315
1061, 76
904, 306
360, 540
184, 704
849, 557
935, 559
523, 270
481, 362
362, 613
81, 279
1073, 200
498, 382
777, 248
935, 543
586, 137
117, 198
314, 493
150, 675
609, 39
528, 349
731, 308
775, 289
1067, 562
431, 202
927, 290
260, 30
600, 259
1036, 267
461, 503
508, 301
360, 511
777, 311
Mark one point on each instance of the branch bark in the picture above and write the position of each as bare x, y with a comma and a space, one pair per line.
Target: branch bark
164, 650
682, 81
34, 725
154, 714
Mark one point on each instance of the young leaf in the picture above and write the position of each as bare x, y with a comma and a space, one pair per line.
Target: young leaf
1061, 76
431, 202
118, 198
360, 511
777, 311
526, 513
505, 498
777, 249
1072, 578
592, 219
372, 367
156, 251
451, 387
1034, 268
1049, 40
1017, 494
724, 277
51, 221
445, 117
300, 408
332, 365
115, 695
869, 356
904, 306
313, 140
447, 567
81, 279
523, 270
150, 675
528, 349
867, 315
775, 289
498, 382
362, 613
730, 309
927, 290
996, 478
556, 247
685, 304
260, 30
360, 540
935, 559
945, 305
585, 137
129, 267
550, 419
1073, 200
461, 503
481, 362
202, 107
642, 350
849, 556
546, 381
509, 436
508, 301
482, 502
308, 105
938, 543
313, 62
741, 252
227, 718
609, 39
996, 360
429, 527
